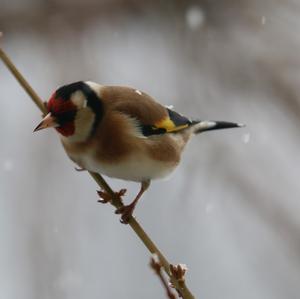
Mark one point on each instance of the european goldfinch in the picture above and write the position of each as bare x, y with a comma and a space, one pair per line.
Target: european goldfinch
121, 132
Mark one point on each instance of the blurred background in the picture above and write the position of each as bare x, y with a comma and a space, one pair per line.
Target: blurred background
230, 211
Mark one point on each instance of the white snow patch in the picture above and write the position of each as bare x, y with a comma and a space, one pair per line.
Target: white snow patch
195, 17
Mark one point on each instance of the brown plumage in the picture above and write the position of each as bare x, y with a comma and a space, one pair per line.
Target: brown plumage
121, 132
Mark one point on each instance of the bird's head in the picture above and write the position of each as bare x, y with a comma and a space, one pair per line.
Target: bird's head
74, 110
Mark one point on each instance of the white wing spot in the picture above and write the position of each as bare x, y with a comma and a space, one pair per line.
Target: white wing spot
138, 92
169, 107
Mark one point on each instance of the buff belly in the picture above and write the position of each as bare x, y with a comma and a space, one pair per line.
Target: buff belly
134, 168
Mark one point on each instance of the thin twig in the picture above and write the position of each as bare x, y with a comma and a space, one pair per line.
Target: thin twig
181, 287
155, 264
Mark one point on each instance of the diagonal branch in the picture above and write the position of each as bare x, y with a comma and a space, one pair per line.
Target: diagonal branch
180, 286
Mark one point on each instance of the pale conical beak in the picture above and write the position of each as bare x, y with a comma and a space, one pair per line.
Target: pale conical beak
48, 122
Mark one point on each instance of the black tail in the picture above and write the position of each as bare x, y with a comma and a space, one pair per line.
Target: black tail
209, 125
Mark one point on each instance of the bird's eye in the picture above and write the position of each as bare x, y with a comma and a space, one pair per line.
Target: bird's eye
67, 116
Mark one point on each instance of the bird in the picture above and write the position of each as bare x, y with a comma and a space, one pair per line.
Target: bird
121, 132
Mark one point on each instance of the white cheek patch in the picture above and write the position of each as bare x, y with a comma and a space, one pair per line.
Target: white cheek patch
78, 99
84, 122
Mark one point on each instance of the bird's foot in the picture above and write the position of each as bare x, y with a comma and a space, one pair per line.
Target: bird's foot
80, 169
126, 212
107, 197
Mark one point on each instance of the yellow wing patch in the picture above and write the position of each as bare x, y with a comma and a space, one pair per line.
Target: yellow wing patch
169, 125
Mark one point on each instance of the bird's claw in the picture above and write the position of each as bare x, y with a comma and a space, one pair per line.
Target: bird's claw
80, 169
126, 213
121, 193
106, 197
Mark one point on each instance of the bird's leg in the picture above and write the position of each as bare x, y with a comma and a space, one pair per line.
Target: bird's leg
126, 211
106, 197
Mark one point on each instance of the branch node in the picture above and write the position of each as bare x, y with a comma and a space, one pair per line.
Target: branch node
178, 271
156, 265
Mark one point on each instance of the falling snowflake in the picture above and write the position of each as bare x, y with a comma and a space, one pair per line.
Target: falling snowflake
246, 138
195, 17
8, 165
209, 208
